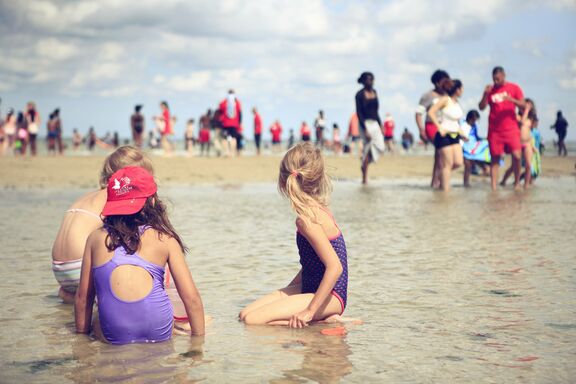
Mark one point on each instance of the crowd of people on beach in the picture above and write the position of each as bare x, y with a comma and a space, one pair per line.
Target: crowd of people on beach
512, 129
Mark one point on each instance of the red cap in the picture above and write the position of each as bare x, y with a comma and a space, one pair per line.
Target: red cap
128, 189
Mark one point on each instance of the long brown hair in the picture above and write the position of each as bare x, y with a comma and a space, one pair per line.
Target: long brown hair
124, 230
303, 179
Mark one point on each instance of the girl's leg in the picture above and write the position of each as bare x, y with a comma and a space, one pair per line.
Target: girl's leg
506, 176
279, 312
446, 164
527, 165
457, 156
435, 183
467, 171
270, 298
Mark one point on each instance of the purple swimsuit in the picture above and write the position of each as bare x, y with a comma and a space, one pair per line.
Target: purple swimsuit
147, 320
313, 268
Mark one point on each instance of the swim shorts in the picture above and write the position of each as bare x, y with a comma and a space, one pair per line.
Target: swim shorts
504, 142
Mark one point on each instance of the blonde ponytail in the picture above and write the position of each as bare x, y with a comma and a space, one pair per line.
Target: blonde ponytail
303, 180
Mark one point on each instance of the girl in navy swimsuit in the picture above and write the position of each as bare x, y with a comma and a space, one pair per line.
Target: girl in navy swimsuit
319, 289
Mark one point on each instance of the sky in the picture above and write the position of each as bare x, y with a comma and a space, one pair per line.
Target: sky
96, 59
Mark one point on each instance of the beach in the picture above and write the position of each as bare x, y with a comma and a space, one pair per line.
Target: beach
83, 171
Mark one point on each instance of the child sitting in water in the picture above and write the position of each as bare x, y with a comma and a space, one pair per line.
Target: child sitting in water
319, 289
82, 218
124, 262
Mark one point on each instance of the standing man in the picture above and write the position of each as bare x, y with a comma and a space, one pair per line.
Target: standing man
320, 125
426, 127
257, 130
231, 118
503, 133
561, 127
137, 125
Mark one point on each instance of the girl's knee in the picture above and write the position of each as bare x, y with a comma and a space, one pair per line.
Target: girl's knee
252, 318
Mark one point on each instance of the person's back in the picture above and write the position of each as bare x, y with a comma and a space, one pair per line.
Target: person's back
81, 219
130, 287
123, 266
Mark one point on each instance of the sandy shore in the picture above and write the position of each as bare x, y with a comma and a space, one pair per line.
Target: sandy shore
82, 171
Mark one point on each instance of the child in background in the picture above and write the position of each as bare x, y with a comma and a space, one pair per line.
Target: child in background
189, 137
336, 139
319, 289
123, 266
526, 121
82, 218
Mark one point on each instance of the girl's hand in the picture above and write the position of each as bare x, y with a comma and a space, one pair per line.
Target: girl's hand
301, 319
442, 132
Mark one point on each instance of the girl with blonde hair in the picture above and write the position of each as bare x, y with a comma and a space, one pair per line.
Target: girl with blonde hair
83, 217
319, 289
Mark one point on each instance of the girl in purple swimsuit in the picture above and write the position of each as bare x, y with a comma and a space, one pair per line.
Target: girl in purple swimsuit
319, 289
123, 265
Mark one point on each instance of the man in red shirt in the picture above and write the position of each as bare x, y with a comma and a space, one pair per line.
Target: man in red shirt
230, 118
503, 133
257, 129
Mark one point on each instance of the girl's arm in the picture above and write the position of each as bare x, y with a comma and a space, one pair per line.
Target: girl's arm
319, 241
432, 114
84, 300
186, 288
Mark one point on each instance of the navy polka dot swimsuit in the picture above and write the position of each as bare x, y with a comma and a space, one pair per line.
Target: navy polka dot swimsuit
313, 268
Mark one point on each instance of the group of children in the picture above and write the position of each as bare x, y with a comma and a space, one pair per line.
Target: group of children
114, 245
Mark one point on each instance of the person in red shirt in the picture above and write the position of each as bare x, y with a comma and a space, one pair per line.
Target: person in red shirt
230, 118
305, 131
389, 132
257, 129
503, 133
276, 131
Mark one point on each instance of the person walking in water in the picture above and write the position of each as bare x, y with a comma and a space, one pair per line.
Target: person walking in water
561, 128
369, 123
503, 134
426, 127
449, 132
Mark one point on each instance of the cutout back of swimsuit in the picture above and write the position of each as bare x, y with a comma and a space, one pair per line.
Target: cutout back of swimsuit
131, 282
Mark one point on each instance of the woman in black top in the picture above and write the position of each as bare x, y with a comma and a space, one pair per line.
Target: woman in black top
369, 123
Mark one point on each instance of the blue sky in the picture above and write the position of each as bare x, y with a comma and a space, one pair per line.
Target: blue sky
96, 59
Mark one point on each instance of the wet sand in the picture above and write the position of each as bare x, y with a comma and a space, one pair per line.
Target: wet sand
82, 171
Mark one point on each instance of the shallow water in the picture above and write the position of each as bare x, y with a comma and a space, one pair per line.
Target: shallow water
470, 287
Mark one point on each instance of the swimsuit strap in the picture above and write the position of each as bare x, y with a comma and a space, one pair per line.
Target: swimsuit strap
80, 210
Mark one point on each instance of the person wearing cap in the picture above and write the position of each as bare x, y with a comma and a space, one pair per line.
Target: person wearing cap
83, 217
124, 262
